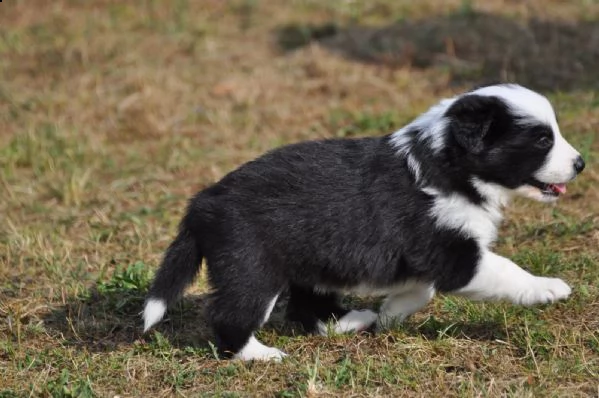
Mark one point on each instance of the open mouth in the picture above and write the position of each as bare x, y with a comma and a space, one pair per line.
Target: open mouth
554, 189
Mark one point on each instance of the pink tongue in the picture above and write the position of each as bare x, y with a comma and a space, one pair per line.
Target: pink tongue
559, 188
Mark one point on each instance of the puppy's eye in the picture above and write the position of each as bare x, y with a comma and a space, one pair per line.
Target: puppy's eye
544, 142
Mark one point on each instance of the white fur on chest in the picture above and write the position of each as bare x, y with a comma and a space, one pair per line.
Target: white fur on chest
479, 222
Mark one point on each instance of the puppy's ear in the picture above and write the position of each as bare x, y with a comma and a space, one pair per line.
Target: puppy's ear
472, 118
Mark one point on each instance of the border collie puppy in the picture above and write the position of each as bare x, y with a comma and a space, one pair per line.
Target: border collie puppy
404, 215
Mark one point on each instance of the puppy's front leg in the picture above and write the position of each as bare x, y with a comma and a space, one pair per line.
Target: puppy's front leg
498, 278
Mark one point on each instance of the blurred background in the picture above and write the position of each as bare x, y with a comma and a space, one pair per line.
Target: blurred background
113, 113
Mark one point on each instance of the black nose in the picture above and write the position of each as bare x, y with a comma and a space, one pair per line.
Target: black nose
579, 164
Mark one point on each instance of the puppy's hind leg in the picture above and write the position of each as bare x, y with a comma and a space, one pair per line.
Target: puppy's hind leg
236, 315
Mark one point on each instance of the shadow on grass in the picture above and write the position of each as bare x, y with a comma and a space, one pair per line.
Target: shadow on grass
475, 47
109, 315
434, 329
95, 323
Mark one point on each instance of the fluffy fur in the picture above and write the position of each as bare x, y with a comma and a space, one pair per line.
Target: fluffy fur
403, 215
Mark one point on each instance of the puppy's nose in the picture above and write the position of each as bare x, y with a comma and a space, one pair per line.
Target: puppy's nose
579, 164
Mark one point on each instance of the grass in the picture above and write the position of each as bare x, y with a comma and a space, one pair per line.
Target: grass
113, 114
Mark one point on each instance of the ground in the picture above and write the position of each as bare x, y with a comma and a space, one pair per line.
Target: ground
112, 114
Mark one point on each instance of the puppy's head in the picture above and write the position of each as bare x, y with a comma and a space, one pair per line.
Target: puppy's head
508, 135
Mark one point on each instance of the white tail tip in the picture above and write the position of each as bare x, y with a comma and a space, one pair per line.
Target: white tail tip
153, 312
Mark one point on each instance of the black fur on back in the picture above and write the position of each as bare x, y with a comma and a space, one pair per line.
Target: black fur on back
334, 213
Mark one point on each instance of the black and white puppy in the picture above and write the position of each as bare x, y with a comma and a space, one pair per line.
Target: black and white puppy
404, 215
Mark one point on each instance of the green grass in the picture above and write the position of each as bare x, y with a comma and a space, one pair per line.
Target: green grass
113, 114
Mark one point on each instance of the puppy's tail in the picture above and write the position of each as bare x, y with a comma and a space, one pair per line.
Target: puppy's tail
179, 267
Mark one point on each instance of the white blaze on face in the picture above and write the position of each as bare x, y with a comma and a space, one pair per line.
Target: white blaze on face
559, 165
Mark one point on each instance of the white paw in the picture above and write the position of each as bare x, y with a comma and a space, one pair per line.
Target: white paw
268, 354
543, 290
255, 350
353, 321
